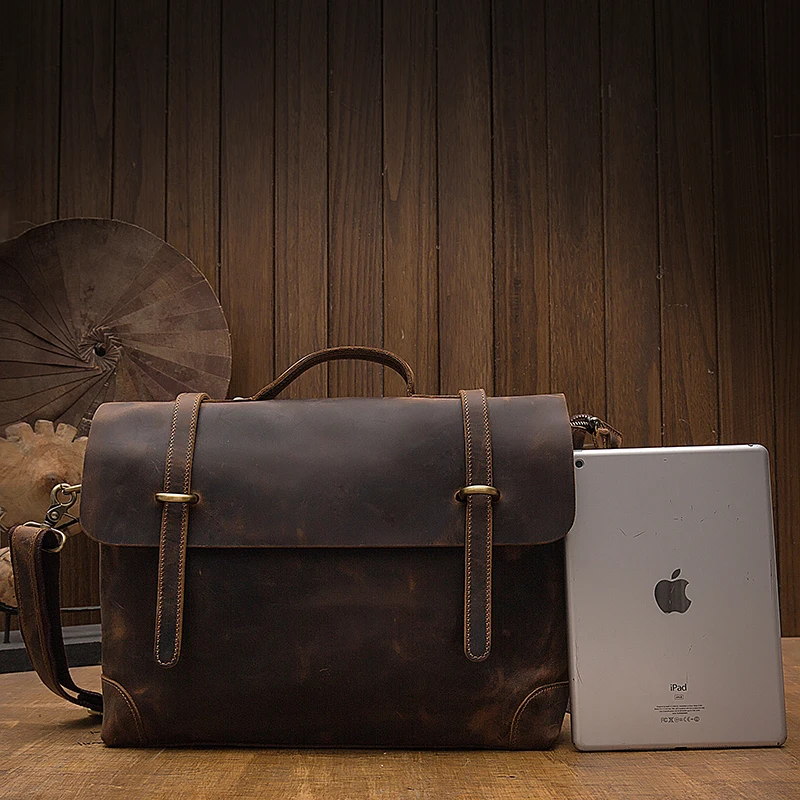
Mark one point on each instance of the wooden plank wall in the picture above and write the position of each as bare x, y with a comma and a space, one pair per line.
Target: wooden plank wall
598, 197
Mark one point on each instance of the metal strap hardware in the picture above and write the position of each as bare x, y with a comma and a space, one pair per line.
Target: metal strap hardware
174, 497
477, 488
61, 540
62, 498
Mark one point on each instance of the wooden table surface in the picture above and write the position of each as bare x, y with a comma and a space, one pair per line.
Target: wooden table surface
49, 749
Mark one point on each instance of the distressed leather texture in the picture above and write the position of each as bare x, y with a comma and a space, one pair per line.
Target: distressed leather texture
36, 572
352, 472
318, 593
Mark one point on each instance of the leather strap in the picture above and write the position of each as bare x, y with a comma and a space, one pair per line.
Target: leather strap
478, 536
36, 575
175, 529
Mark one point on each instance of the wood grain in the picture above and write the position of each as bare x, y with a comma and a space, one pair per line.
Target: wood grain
686, 214
301, 189
742, 225
42, 733
783, 80
575, 190
9, 27
87, 101
193, 125
8, 80
410, 263
485, 129
466, 307
355, 208
85, 181
31, 38
246, 192
633, 335
140, 119
521, 269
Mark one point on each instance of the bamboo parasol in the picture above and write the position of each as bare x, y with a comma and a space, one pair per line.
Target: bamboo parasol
93, 310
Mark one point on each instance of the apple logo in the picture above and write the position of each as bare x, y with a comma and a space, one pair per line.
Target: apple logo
671, 595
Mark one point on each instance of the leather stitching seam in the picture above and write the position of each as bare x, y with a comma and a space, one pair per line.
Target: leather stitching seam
184, 527
524, 704
164, 524
468, 572
488, 537
187, 480
129, 701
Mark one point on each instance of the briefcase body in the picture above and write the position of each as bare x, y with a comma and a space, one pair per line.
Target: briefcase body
348, 572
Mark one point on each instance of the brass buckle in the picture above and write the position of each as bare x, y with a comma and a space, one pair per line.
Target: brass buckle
477, 488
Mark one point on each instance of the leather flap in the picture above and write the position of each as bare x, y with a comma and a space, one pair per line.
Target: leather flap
350, 472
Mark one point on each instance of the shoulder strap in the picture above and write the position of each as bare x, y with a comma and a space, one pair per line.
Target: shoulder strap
36, 563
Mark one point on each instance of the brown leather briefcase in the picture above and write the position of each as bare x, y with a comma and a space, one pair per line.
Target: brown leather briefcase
342, 572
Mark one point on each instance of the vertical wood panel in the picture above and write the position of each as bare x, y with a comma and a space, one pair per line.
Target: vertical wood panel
689, 315
31, 39
521, 270
34, 38
140, 105
466, 318
301, 189
783, 80
409, 190
355, 221
192, 196
741, 201
85, 180
577, 325
8, 81
247, 218
633, 330
87, 101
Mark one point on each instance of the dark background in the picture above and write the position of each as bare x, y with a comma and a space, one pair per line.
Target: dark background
596, 198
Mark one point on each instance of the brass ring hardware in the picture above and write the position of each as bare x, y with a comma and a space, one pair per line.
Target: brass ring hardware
171, 497
477, 488
62, 539
65, 488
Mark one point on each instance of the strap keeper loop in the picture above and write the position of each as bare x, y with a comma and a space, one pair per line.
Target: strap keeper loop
174, 497
477, 488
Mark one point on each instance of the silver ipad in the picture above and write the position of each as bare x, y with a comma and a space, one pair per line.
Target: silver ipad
674, 630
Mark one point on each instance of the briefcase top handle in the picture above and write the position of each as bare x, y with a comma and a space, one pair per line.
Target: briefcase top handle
375, 354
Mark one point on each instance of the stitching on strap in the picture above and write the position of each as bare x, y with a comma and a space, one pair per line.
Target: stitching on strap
471, 506
164, 523
166, 517
489, 480
187, 480
468, 568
